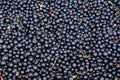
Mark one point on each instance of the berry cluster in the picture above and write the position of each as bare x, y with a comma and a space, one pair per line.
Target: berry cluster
59, 39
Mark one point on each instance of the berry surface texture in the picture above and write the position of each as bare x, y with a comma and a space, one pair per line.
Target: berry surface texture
59, 39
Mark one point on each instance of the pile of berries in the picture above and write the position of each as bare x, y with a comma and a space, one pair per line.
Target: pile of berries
59, 39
